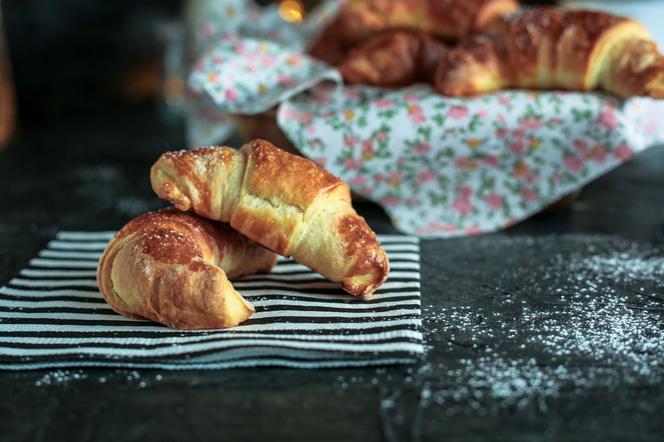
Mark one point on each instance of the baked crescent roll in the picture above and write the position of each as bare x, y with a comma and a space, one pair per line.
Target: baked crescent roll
283, 202
450, 20
393, 59
447, 19
173, 267
549, 48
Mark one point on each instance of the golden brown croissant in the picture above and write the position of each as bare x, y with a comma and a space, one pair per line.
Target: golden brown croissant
393, 59
450, 20
284, 202
548, 48
173, 267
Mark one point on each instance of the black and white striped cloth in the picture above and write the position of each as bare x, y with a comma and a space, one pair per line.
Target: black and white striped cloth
53, 315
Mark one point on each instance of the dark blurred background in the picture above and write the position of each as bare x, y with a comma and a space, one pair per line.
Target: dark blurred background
76, 57
73, 57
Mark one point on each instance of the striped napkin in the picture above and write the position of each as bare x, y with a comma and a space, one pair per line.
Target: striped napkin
53, 315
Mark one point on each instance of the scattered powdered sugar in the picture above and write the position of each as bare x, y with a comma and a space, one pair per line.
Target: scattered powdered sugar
58, 377
612, 329
579, 313
491, 382
137, 378
608, 309
621, 265
64, 377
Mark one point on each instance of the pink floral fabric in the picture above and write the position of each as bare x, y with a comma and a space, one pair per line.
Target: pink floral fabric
249, 76
444, 167
245, 59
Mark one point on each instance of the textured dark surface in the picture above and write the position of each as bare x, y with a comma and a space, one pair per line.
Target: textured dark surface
93, 174
78, 166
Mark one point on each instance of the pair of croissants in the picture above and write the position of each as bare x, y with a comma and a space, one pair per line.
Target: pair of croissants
172, 266
394, 43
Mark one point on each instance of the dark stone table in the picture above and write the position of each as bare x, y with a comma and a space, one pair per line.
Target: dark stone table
551, 330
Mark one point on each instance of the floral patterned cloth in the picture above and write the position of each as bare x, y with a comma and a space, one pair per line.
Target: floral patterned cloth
274, 74
248, 60
440, 166
445, 166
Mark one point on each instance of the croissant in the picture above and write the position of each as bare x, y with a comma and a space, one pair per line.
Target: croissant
450, 20
393, 59
548, 48
283, 202
172, 267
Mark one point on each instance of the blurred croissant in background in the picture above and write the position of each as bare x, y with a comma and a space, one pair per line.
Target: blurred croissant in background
549, 48
498, 46
393, 59
450, 20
